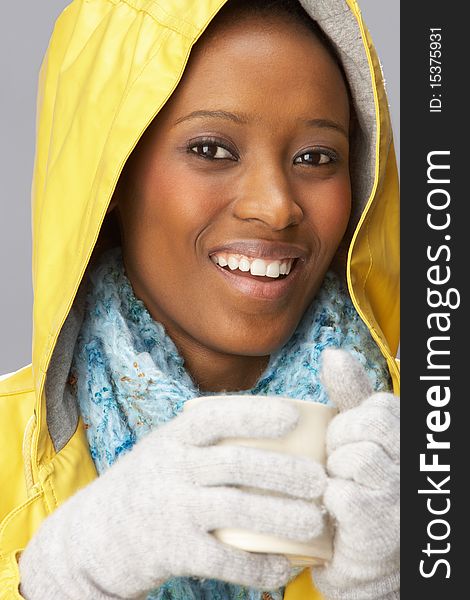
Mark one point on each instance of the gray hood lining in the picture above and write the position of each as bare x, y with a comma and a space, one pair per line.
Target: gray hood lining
61, 406
340, 25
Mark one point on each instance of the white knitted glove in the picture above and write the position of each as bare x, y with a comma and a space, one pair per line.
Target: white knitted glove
148, 517
362, 495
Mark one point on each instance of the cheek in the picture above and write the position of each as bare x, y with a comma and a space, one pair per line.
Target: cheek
339, 210
187, 198
330, 211
168, 208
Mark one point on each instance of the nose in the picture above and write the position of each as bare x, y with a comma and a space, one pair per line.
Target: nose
266, 195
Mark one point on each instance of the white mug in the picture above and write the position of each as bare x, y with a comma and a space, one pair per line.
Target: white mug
307, 440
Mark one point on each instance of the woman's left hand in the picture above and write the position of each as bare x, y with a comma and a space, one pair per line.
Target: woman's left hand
362, 495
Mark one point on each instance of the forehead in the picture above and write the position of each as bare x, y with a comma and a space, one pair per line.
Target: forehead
264, 69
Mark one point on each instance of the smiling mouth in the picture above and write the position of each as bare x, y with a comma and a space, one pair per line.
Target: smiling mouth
267, 269
261, 287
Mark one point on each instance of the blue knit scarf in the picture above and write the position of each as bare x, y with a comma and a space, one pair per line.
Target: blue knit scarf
130, 378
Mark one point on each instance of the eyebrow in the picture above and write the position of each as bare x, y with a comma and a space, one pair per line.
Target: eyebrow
327, 124
243, 119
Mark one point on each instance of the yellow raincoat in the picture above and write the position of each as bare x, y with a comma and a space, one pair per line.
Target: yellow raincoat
109, 68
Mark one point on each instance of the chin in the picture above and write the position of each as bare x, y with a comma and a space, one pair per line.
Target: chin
254, 346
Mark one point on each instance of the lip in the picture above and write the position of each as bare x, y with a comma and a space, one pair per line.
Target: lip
259, 248
271, 290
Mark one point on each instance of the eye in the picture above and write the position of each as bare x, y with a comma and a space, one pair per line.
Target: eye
211, 150
315, 157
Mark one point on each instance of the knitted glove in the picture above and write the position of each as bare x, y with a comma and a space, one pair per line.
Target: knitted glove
148, 517
362, 492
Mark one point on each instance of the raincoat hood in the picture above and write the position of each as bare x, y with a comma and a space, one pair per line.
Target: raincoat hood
110, 67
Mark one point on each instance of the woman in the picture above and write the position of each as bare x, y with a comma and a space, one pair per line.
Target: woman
191, 223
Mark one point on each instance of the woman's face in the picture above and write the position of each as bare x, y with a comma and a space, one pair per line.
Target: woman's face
247, 160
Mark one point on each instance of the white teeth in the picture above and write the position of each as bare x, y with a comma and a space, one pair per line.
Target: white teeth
273, 270
244, 264
232, 263
257, 266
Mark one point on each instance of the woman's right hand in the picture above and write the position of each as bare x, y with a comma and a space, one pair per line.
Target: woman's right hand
149, 517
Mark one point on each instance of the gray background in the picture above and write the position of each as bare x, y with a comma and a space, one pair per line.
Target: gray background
25, 29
